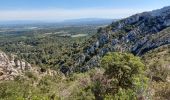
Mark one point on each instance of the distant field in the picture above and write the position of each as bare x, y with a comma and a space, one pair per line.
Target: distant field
79, 35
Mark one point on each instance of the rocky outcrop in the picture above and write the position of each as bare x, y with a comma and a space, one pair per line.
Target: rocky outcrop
11, 67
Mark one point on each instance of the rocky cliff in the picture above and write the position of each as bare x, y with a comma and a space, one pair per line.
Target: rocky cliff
138, 34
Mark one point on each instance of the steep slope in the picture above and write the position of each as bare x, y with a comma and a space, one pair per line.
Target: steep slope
137, 34
156, 40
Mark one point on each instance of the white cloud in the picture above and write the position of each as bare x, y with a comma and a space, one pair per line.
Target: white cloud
62, 14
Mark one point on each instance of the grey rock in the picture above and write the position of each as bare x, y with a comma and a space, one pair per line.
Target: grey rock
9, 69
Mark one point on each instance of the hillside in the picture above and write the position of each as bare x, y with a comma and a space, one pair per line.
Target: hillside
126, 60
158, 64
137, 34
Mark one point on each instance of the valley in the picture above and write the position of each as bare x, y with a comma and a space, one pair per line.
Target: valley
125, 59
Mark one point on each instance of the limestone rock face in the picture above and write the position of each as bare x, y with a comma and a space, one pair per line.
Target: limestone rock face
137, 34
11, 67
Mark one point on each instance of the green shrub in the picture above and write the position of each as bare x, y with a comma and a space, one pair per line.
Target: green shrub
30, 75
124, 77
122, 95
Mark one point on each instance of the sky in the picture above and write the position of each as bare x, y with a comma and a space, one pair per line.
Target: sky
59, 10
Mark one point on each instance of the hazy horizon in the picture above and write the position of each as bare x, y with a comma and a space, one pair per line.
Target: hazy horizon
54, 10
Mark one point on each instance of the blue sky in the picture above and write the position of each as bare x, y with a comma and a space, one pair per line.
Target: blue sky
71, 9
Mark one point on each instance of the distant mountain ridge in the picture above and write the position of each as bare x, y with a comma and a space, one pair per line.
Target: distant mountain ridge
65, 22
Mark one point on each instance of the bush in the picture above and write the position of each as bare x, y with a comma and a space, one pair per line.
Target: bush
123, 78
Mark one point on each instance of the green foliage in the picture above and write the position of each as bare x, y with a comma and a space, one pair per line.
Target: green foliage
83, 94
122, 95
30, 75
25, 89
124, 74
123, 67
14, 90
121, 77
42, 49
128, 28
